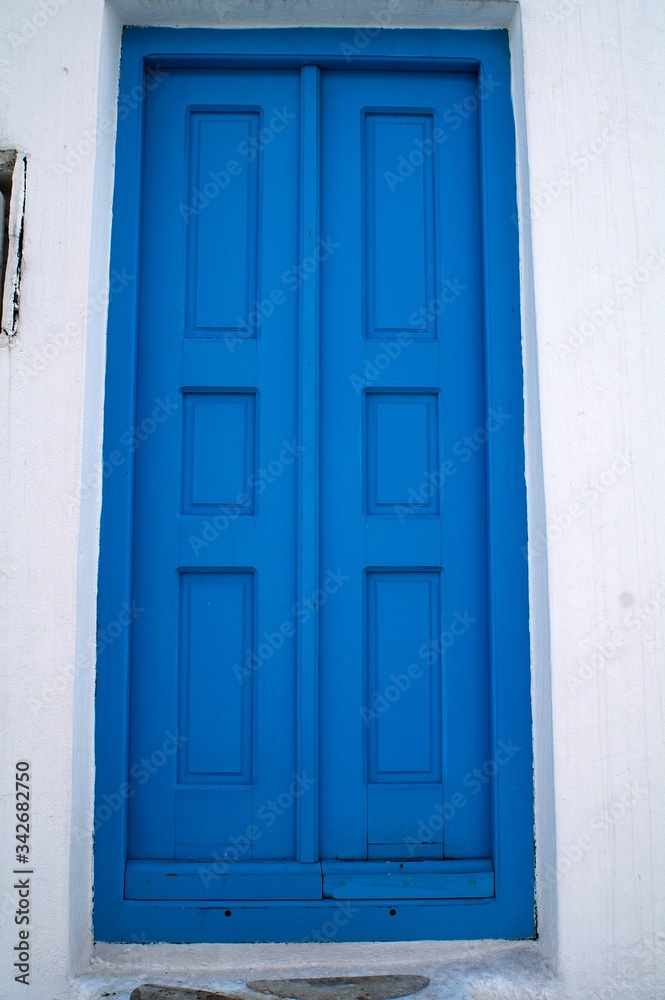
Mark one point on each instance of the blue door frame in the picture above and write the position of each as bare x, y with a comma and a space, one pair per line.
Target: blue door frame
487, 891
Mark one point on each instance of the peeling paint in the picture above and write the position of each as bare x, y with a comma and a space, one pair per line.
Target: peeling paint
11, 293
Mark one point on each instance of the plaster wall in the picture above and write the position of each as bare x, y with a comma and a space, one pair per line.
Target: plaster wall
588, 90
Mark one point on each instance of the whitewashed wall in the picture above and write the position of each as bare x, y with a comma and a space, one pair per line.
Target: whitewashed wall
588, 88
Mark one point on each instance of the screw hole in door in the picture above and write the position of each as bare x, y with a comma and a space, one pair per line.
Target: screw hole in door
227, 913
393, 912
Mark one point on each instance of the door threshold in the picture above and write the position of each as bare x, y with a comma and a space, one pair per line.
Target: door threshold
324, 880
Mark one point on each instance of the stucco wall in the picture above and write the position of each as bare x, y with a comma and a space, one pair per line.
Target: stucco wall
588, 94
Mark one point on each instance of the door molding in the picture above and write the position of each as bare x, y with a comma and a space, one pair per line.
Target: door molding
509, 912
307, 537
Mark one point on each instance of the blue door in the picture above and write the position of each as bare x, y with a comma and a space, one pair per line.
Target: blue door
404, 643
213, 653
309, 668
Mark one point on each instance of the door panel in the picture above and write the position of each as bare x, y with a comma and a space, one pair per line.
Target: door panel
404, 644
214, 546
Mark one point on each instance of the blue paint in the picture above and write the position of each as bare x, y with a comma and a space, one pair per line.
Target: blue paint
307, 514
327, 683
392, 503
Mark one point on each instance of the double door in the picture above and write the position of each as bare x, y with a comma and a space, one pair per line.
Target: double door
308, 697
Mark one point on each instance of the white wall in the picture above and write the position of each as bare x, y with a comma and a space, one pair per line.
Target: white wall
591, 170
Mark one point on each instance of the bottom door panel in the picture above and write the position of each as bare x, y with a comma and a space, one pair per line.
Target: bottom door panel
221, 880
472, 879
265, 880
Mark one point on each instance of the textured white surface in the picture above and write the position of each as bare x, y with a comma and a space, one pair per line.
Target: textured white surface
484, 970
588, 116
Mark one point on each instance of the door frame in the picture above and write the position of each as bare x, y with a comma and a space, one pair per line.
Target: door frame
510, 912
